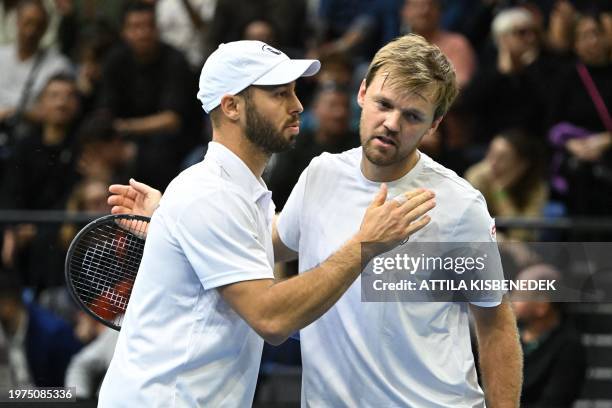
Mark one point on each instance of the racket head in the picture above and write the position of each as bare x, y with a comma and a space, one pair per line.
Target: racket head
102, 264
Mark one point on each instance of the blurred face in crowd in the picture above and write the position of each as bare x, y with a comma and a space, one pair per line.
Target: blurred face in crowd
140, 32
259, 31
392, 124
504, 161
272, 120
94, 197
59, 102
422, 16
590, 42
521, 39
31, 26
332, 110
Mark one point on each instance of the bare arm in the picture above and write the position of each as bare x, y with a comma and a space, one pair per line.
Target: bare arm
277, 309
166, 121
501, 357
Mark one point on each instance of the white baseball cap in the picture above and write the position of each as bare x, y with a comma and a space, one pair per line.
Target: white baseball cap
236, 65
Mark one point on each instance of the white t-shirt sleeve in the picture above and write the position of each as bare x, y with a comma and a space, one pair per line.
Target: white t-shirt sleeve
477, 226
220, 238
288, 223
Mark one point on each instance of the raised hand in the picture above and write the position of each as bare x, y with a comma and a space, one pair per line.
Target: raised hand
395, 220
136, 198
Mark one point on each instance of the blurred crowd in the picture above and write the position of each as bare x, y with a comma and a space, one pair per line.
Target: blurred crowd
93, 92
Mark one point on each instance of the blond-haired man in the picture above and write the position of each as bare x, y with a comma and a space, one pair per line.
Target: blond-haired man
391, 354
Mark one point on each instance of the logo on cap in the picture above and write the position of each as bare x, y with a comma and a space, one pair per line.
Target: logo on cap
266, 47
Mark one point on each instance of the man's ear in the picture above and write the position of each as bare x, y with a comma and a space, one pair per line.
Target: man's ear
230, 106
361, 93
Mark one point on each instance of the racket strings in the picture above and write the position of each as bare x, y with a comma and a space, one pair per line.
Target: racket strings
104, 266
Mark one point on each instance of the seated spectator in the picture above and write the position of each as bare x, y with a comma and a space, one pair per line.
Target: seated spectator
423, 17
148, 87
260, 29
103, 154
554, 359
8, 21
511, 178
515, 91
232, 16
26, 66
88, 367
332, 133
183, 24
40, 344
40, 176
355, 28
88, 196
581, 127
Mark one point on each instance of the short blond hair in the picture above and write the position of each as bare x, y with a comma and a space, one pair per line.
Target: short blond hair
412, 65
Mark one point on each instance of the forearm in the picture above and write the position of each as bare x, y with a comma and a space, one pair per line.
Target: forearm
501, 360
294, 303
166, 121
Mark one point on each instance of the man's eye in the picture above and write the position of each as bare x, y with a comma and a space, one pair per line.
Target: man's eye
384, 105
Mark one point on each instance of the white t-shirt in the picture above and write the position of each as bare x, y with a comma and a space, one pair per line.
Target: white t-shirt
177, 29
181, 344
15, 74
383, 354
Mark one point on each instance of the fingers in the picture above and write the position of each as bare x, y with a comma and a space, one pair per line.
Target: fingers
141, 187
381, 196
120, 200
402, 198
424, 199
417, 225
118, 209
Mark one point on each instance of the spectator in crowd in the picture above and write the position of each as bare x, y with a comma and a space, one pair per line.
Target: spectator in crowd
332, 133
89, 195
183, 24
560, 23
26, 66
40, 344
103, 154
554, 358
511, 178
582, 126
423, 17
9, 25
356, 28
40, 176
88, 366
288, 17
89, 70
514, 92
260, 29
148, 86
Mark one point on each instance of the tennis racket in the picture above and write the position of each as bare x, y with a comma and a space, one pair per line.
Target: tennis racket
102, 263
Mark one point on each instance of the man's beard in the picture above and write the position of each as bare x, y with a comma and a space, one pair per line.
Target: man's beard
261, 132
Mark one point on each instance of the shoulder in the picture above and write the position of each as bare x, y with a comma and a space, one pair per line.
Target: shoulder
448, 180
202, 189
336, 162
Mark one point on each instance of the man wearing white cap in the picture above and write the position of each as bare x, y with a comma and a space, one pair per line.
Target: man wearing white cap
205, 294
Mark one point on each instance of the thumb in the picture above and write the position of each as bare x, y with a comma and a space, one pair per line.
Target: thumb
138, 186
380, 197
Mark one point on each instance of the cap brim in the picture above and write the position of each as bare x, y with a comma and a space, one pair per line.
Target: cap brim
288, 71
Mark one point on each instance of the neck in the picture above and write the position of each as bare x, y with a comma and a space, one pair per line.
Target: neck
53, 134
255, 159
374, 172
536, 329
